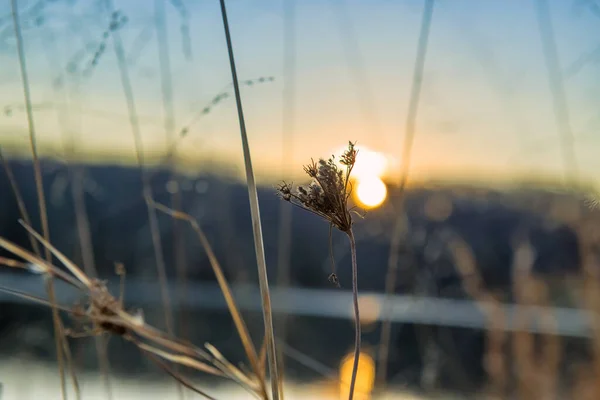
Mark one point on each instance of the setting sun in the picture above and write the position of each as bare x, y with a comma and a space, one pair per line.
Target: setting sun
370, 167
371, 191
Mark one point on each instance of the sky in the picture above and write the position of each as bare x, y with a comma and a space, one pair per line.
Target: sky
486, 108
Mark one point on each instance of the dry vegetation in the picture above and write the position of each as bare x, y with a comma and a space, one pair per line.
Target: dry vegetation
518, 364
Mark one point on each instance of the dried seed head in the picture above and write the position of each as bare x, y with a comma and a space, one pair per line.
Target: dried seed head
334, 279
592, 201
327, 195
349, 156
285, 191
311, 169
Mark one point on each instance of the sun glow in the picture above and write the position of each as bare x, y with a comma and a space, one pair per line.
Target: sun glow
370, 167
371, 191
365, 378
369, 164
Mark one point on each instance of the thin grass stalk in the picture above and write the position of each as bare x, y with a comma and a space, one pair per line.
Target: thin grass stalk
410, 131
390, 287
49, 284
356, 63
221, 360
87, 254
152, 218
536, 373
30, 122
89, 266
82, 221
19, 199
551, 351
285, 210
357, 333
473, 284
169, 125
174, 374
495, 362
169, 122
262, 355
62, 111
559, 97
71, 367
591, 301
523, 345
256, 225
283, 273
236, 315
77, 176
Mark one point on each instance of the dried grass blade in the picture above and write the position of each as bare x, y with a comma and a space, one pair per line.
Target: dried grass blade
262, 355
20, 202
48, 268
229, 366
256, 224
33, 298
75, 270
176, 376
179, 359
223, 285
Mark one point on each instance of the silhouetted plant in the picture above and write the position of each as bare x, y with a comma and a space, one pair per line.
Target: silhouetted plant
327, 196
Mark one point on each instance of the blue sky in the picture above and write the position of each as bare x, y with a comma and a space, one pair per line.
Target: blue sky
486, 108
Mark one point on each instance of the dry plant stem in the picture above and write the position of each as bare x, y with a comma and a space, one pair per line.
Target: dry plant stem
89, 267
178, 359
523, 342
83, 228
591, 300
32, 134
20, 203
327, 197
283, 274
174, 375
536, 373
238, 321
390, 285
227, 366
549, 362
287, 130
169, 121
256, 225
410, 131
357, 333
77, 175
71, 367
135, 128
355, 61
524, 357
59, 340
48, 268
559, 97
472, 282
82, 221
495, 359
108, 316
262, 355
